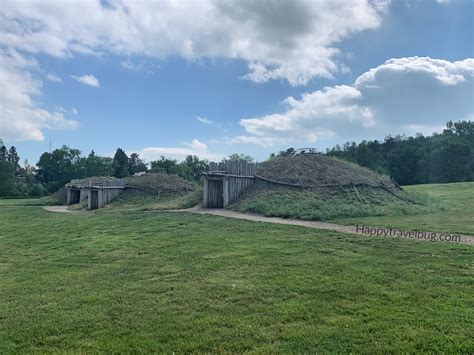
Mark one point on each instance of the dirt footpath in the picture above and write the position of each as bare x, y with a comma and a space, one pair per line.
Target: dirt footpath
381, 232
61, 209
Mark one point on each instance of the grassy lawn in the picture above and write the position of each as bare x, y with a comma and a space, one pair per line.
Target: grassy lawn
457, 215
43, 201
124, 280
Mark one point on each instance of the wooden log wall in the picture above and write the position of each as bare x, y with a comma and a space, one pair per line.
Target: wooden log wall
237, 186
110, 194
99, 182
226, 181
101, 196
234, 167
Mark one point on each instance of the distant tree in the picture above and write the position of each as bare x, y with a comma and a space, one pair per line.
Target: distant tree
120, 164
196, 166
451, 161
94, 165
283, 153
59, 167
182, 170
3, 153
164, 165
135, 164
445, 157
462, 129
14, 158
36, 190
236, 156
7, 178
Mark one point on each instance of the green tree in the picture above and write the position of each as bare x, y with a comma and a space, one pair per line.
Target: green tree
59, 167
445, 157
164, 165
95, 165
196, 166
14, 158
120, 164
3, 153
7, 178
135, 164
3, 150
236, 156
451, 161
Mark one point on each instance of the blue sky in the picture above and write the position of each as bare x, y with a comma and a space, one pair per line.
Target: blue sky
213, 78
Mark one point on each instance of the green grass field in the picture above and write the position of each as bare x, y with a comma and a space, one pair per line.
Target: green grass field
456, 214
121, 280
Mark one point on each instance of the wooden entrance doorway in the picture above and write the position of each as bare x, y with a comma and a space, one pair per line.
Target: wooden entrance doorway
215, 194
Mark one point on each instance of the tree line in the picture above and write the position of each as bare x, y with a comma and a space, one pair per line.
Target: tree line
439, 158
55, 169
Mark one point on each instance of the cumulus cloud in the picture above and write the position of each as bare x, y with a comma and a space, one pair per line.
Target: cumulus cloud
20, 117
87, 79
285, 40
195, 147
400, 95
279, 40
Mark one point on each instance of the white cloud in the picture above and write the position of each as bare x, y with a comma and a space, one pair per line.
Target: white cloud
290, 40
87, 79
208, 122
20, 117
128, 64
204, 120
195, 147
54, 78
398, 96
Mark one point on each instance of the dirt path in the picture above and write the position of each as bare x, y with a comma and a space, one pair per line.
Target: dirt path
61, 209
374, 231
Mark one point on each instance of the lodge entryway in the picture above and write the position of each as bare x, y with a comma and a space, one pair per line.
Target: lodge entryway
215, 194
94, 200
75, 196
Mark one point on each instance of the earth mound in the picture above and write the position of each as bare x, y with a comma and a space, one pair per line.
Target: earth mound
318, 170
159, 191
317, 187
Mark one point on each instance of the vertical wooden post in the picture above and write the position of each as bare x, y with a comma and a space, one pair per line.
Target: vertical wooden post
225, 192
68, 196
89, 200
100, 197
205, 200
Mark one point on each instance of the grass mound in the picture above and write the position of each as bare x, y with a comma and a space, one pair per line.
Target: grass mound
159, 191
316, 169
317, 187
155, 184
